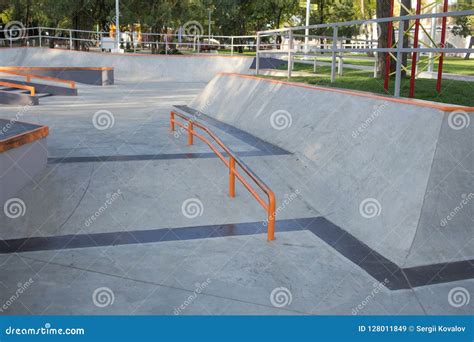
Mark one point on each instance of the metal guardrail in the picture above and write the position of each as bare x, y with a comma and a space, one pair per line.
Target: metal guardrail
31, 89
195, 43
29, 76
42, 36
336, 50
232, 164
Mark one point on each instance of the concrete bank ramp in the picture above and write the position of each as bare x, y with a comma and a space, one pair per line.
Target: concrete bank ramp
129, 67
395, 173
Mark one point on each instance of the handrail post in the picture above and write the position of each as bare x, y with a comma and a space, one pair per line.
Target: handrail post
172, 121
271, 217
290, 58
232, 177
257, 57
334, 47
190, 132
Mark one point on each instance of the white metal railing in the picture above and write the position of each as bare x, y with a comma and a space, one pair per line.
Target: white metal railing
42, 36
335, 47
61, 37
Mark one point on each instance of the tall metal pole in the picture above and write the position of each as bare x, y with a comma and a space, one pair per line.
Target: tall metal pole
117, 25
209, 24
306, 31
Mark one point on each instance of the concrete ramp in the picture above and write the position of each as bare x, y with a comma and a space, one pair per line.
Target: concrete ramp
132, 67
395, 173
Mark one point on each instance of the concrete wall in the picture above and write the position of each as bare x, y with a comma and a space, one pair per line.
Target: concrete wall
18, 166
351, 148
131, 67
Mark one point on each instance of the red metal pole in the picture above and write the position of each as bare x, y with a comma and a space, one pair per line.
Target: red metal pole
443, 42
414, 60
389, 45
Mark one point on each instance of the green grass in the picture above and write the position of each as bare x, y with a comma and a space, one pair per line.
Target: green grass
454, 92
236, 53
451, 65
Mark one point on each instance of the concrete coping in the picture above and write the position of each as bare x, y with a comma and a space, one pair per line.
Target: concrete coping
138, 54
14, 134
413, 102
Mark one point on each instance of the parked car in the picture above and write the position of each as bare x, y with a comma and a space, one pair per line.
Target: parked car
210, 44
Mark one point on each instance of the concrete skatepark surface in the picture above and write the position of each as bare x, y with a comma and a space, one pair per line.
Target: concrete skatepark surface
408, 159
237, 274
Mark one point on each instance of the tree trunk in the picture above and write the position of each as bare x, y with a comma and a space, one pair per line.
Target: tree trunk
406, 39
382, 11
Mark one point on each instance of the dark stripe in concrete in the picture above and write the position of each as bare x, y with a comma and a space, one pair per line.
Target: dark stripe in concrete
382, 269
168, 156
234, 131
139, 236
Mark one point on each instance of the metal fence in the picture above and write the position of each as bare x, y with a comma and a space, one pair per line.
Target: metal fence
129, 41
159, 42
295, 43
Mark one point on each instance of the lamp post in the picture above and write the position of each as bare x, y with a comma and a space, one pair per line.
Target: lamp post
306, 31
117, 27
209, 19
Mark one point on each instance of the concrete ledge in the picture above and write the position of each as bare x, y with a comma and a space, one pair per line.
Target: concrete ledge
132, 67
88, 75
23, 154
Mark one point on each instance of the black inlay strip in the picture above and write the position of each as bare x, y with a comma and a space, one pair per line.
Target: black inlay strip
138, 157
235, 132
139, 236
380, 268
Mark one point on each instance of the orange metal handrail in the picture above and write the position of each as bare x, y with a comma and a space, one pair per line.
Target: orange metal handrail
29, 76
31, 89
231, 164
